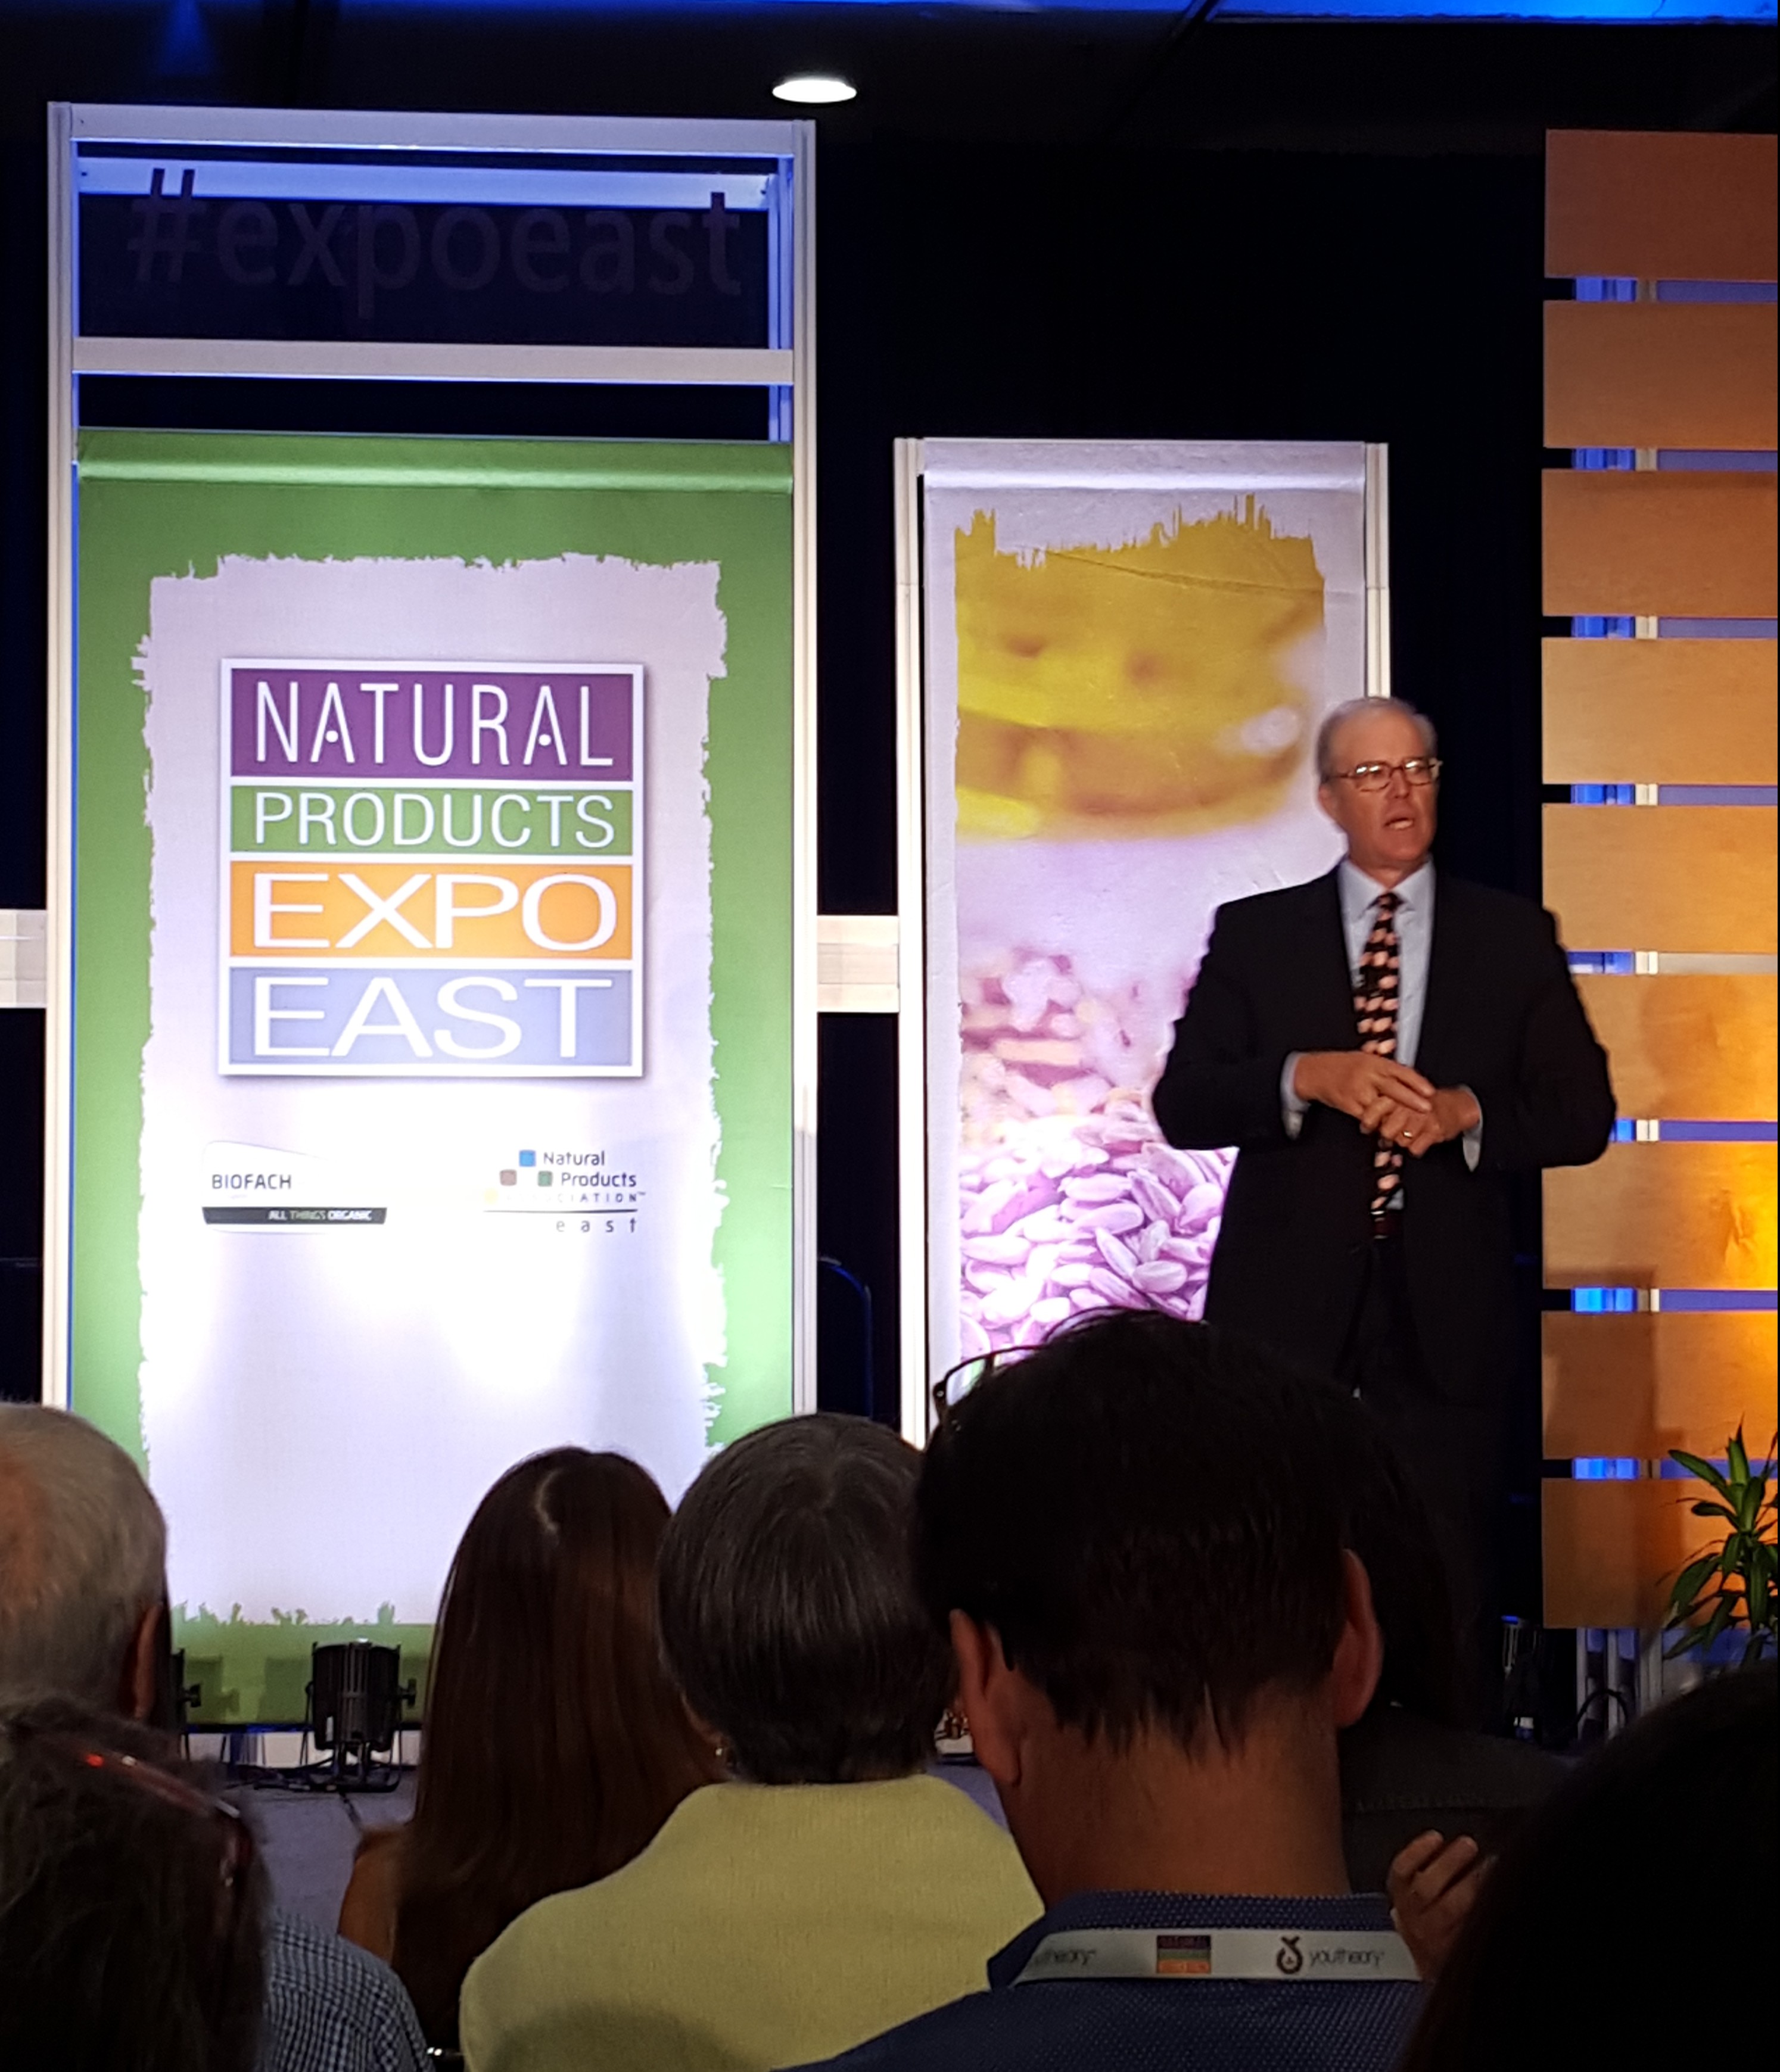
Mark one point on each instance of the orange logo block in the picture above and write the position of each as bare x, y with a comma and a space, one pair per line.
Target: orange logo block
383, 912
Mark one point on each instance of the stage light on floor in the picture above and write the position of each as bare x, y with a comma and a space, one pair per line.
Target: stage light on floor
814, 89
356, 1700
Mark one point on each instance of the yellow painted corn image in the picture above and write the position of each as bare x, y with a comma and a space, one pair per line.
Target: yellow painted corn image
1135, 690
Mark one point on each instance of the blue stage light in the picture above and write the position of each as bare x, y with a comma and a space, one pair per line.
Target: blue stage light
1601, 11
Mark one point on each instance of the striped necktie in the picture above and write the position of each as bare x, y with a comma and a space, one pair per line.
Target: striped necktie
1375, 1010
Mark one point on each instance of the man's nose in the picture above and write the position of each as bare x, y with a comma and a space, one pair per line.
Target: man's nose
1396, 780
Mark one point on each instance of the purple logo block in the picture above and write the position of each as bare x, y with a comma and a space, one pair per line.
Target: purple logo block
347, 721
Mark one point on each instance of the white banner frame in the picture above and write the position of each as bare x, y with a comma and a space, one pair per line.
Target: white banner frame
787, 365
914, 459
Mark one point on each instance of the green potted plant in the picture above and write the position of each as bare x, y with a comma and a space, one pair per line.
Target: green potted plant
1733, 1583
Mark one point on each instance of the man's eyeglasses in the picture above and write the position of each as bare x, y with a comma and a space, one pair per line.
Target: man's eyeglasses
1377, 776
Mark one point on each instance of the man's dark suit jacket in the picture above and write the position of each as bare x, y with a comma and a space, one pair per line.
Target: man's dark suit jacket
1501, 1016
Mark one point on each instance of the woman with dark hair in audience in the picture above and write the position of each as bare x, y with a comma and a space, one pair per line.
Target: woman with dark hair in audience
1412, 1765
132, 1905
833, 1889
555, 1745
1631, 1921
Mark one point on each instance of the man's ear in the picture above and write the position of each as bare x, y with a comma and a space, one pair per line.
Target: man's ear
140, 1674
986, 1697
1359, 1653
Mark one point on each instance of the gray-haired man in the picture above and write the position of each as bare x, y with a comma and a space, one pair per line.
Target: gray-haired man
83, 1558
1386, 1050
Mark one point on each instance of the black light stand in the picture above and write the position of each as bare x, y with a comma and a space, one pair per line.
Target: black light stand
356, 1698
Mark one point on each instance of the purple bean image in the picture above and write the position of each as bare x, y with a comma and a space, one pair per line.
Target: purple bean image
1071, 1201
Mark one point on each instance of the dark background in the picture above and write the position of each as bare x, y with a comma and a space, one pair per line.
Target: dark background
1049, 224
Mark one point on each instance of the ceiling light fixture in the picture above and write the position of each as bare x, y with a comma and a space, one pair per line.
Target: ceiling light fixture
814, 89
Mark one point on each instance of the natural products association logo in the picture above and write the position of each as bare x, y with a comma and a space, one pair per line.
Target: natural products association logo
432, 869
570, 1181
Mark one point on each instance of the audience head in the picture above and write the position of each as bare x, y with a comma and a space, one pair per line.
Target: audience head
131, 1903
789, 1610
1661, 1845
555, 1746
83, 1558
1140, 1514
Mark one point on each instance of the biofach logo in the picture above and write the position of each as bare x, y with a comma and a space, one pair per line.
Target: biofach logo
431, 870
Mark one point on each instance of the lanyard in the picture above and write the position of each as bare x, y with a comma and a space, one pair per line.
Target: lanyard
1290, 1956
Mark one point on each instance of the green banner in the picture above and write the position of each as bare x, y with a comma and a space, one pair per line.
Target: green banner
263, 1023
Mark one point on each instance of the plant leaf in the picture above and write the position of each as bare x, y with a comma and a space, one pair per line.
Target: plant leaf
1704, 1469
1738, 1456
1687, 1583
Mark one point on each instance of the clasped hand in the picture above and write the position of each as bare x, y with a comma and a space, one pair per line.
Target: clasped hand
1386, 1099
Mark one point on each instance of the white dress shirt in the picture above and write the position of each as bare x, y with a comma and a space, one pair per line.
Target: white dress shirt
1414, 925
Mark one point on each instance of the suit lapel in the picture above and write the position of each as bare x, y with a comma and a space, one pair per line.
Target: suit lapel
1445, 960
1330, 981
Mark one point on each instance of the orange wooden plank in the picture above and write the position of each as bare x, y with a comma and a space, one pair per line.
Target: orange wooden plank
1688, 1046
1659, 206
1660, 374
1683, 544
1692, 879
1663, 1216
1635, 1386
1612, 1550
1661, 712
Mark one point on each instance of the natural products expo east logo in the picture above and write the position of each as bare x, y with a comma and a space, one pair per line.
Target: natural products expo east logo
432, 869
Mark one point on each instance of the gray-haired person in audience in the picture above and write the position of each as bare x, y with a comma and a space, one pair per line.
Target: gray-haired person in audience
831, 1888
83, 1558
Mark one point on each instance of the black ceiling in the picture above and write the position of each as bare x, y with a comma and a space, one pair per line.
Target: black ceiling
948, 74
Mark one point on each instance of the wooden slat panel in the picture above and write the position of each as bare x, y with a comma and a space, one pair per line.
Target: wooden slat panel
1688, 1047
1663, 1215
1660, 711
1660, 374
1635, 1386
1611, 1549
1659, 207
1697, 878
1681, 544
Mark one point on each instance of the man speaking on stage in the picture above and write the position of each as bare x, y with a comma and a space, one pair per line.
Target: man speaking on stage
1384, 1047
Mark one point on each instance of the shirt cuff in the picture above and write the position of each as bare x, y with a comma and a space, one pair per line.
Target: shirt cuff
1474, 1137
1293, 1104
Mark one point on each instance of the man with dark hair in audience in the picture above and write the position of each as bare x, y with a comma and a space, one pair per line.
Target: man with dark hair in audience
83, 1591
1131, 1535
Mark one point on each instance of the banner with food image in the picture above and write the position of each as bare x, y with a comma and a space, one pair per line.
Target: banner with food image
1127, 652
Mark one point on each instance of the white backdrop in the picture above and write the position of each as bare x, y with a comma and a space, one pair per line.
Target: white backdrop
324, 1405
